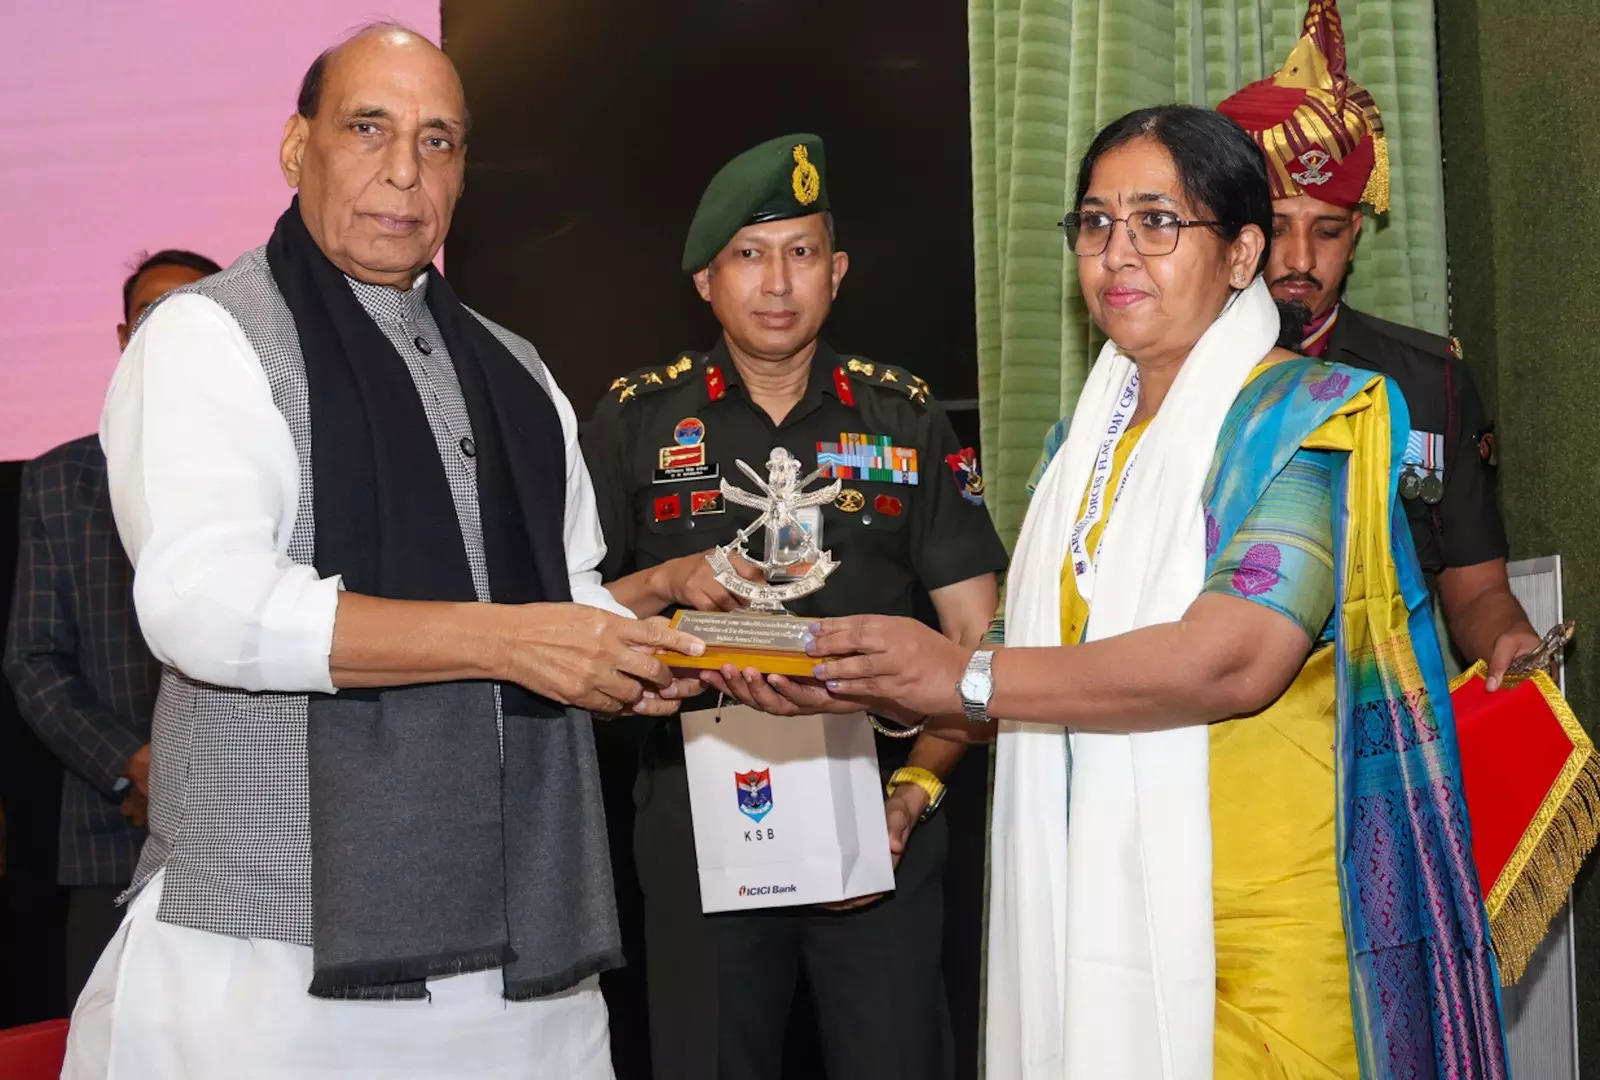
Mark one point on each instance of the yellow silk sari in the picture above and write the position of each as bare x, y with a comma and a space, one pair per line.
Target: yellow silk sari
1283, 980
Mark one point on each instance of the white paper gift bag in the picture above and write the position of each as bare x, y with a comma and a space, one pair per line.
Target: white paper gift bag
787, 809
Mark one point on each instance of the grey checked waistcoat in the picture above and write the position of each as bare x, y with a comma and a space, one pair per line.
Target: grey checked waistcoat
229, 810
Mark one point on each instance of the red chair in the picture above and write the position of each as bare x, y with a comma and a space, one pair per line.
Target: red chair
33, 1051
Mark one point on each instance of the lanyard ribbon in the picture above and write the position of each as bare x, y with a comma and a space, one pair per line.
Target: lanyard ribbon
1095, 507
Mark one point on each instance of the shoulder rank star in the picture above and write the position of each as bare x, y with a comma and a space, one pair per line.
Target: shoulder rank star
883, 375
631, 390
652, 378
618, 383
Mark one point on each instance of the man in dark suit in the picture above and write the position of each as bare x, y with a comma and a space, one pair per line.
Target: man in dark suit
83, 678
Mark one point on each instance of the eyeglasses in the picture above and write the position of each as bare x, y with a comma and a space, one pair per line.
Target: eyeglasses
1153, 232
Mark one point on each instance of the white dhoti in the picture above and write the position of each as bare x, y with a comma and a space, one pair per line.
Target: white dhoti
173, 1003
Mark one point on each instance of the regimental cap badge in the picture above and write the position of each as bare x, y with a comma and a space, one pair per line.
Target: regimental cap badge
1313, 176
782, 178
806, 181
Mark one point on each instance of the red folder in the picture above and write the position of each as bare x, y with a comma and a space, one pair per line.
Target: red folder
1532, 782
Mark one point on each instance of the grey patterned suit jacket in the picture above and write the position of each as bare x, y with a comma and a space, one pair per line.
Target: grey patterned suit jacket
84, 680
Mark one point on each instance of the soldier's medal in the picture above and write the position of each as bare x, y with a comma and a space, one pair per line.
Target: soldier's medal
1426, 450
1410, 484
850, 500
765, 636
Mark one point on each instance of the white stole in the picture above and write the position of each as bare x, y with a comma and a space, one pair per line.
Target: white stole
1101, 961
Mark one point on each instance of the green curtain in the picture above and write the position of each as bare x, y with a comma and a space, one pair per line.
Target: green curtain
1047, 74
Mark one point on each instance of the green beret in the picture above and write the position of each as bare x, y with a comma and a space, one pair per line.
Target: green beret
781, 178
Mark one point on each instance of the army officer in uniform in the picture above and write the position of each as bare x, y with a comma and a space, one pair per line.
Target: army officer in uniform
762, 254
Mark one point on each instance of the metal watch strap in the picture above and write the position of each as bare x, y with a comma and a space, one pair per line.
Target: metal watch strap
977, 712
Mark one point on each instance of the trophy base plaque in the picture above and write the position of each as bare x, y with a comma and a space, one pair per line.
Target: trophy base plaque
771, 642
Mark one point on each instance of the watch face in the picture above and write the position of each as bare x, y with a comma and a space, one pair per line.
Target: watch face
975, 686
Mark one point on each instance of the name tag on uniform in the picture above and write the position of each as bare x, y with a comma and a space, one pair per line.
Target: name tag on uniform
679, 463
1422, 467
858, 456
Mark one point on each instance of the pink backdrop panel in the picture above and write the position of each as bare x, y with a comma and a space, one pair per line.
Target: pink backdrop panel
136, 127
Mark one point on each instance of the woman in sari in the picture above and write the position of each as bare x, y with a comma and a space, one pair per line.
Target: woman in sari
1220, 670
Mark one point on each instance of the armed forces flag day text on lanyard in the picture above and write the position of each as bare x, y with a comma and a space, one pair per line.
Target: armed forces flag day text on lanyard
1095, 507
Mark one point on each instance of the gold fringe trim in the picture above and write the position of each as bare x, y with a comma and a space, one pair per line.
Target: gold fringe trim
1376, 193
1537, 878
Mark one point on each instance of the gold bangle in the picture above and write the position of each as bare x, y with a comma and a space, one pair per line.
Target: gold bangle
897, 732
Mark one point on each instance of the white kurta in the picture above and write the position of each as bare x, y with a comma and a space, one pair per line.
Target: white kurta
166, 1002
205, 475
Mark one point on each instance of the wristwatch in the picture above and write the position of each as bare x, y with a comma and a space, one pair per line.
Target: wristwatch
977, 686
922, 778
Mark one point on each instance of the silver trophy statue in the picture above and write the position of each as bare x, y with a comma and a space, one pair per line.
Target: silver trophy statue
790, 542
766, 636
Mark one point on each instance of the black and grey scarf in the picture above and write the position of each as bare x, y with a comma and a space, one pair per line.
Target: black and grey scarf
429, 855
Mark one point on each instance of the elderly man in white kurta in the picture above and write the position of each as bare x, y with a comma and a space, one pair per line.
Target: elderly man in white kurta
365, 548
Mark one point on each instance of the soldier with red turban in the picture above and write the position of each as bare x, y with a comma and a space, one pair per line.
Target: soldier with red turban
1327, 158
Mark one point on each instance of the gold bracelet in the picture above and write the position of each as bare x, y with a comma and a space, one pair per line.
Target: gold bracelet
896, 733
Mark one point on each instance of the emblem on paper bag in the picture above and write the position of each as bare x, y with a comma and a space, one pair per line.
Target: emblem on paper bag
755, 793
